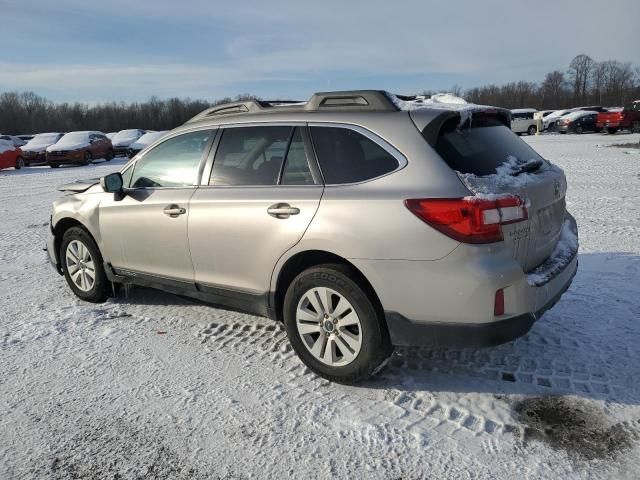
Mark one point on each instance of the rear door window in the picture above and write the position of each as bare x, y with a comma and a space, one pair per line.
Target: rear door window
347, 156
483, 147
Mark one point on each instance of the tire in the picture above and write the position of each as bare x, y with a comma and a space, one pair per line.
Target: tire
19, 163
612, 131
532, 130
109, 156
88, 158
552, 127
79, 249
369, 333
579, 130
598, 130
54, 165
635, 127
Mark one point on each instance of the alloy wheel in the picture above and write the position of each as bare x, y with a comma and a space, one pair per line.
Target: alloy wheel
329, 326
80, 265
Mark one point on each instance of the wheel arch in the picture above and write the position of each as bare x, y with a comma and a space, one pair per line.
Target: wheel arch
301, 261
62, 226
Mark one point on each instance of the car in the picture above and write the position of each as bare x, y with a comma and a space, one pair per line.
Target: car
360, 219
25, 138
578, 122
549, 122
143, 142
10, 155
110, 135
17, 141
79, 148
523, 121
35, 150
123, 139
627, 119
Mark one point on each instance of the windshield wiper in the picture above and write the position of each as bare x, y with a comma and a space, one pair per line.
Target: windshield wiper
528, 167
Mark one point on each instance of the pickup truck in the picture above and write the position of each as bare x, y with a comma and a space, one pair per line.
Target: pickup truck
627, 119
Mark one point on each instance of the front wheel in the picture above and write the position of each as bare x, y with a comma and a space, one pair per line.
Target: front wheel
635, 127
611, 131
82, 265
532, 130
334, 325
579, 130
19, 163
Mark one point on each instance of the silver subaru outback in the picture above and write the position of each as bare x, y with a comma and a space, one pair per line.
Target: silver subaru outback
362, 220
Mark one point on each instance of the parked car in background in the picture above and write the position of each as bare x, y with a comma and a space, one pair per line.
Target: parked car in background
523, 121
10, 155
35, 150
123, 139
110, 135
79, 148
578, 122
144, 141
296, 225
17, 141
627, 119
25, 138
549, 122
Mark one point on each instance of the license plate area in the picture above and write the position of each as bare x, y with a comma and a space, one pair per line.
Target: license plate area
545, 220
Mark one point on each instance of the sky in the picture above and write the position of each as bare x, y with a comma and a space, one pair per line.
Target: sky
129, 50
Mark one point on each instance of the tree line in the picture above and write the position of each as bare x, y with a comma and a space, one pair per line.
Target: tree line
585, 82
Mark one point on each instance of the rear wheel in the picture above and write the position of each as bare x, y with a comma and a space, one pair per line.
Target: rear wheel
109, 156
19, 163
532, 130
635, 127
333, 324
88, 158
579, 129
54, 165
611, 131
83, 267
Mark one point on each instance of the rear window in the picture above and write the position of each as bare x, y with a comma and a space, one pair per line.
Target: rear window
479, 150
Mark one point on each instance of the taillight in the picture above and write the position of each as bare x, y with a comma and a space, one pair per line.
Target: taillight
469, 219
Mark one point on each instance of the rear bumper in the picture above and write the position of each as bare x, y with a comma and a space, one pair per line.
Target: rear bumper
451, 301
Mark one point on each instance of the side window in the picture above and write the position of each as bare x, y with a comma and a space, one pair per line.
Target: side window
173, 163
250, 155
296, 169
346, 156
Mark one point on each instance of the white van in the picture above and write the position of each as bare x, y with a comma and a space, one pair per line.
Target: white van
522, 121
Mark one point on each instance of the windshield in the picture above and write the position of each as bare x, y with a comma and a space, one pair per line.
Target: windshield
481, 149
73, 138
43, 139
126, 135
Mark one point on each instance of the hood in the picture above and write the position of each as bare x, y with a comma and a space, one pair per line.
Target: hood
66, 147
123, 143
79, 186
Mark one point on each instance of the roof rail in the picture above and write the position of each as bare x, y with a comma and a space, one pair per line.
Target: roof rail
358, 100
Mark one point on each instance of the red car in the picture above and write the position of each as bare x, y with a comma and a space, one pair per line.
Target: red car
10, 155
79, 148
627, 119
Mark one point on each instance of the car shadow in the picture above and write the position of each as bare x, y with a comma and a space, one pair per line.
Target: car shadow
587, 345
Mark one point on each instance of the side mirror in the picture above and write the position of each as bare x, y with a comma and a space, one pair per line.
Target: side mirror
112, 183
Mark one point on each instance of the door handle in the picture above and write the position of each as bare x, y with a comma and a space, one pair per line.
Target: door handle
174, 211
282, 210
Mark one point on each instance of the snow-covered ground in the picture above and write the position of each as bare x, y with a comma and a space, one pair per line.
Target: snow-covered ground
154, 385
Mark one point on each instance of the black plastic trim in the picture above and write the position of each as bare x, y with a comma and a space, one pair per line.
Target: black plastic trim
406, 332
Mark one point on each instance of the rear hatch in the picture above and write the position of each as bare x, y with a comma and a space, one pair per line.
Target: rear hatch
491, 160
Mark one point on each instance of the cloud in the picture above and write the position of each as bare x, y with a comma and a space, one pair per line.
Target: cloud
201, 47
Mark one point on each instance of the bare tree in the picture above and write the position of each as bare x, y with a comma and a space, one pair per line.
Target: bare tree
579, 71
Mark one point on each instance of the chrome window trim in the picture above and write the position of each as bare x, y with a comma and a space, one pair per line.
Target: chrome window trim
381, 142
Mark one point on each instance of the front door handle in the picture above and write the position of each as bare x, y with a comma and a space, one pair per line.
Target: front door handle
174, 211
282, 210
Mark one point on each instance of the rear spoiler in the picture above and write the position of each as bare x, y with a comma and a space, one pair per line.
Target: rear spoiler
430, 121
79, 186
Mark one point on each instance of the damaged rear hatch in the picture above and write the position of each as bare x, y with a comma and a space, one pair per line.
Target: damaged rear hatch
492, 161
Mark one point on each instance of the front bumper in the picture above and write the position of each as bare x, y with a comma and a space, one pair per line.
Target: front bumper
450, 301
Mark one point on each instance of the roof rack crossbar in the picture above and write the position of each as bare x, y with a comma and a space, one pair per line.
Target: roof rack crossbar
355, 100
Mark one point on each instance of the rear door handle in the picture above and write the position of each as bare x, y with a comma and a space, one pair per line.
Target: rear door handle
174, 211
282, 210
